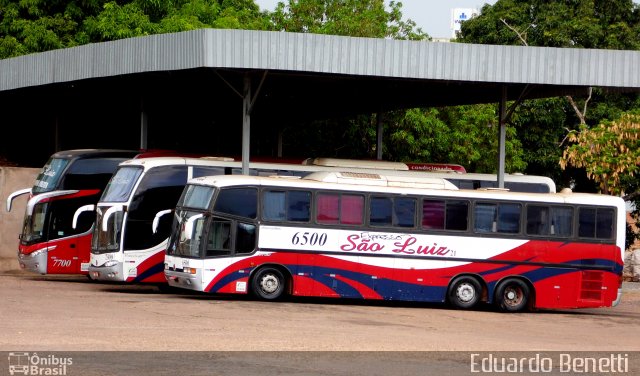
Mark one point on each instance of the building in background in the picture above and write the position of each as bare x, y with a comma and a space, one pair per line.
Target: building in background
458, 16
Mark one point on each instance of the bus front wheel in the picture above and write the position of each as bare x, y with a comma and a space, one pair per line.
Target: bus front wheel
512, 295
268, 283
464, 292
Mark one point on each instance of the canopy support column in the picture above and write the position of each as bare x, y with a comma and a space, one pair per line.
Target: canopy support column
379, 135
246, 123
144, 130
502, 131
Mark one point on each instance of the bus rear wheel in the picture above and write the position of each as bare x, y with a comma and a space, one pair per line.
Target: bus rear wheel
268, 283
464, 292
512, 295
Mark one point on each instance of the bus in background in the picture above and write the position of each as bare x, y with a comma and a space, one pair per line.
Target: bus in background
371, 237
437, 167
386, 165
456, 174
70, 179
129, 240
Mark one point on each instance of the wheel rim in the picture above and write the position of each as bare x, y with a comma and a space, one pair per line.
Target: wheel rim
465, 292
513, 296
269, 284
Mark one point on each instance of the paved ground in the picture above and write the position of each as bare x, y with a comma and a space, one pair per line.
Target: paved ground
71, 313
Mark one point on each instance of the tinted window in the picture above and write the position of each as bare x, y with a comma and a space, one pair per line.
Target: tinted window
286, 206
197, 196
596, 223
392, 211
159, 189
199, 171
551, 221
242, 202
501, 218
336, 208
444, 214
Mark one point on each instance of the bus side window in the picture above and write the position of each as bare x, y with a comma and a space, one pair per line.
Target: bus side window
484, 217
242, 202
273, 208
457, 215
299, 206
404, 212
595, 223
351, 209
340, 208
508, 218
380, 211
199, 171
561, 221
327, 208
219, 238
433, 214
537, 220
245, 238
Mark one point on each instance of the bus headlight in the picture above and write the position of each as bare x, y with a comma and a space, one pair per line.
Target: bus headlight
110, 263
189, 270
38, 252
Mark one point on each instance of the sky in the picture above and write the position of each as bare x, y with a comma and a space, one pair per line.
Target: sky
433, 16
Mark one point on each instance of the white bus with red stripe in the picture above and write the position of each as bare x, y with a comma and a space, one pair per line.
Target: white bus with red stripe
367, 236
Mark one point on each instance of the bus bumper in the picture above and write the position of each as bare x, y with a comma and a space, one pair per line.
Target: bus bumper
618, 298
35, 262
184, 280
111, 271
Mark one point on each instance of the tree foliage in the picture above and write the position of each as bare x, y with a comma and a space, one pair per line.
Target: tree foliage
41, 25
608, 152
611, 24
357, 18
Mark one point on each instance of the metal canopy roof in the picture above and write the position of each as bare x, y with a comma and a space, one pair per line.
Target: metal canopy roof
296, 76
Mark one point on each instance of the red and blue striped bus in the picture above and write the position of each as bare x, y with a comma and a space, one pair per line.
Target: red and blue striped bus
370, 236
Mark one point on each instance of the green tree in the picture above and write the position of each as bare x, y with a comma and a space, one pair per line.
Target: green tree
608, 152
41, 25
565, 23
356, 18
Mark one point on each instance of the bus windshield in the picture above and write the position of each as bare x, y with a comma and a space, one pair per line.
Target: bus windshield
121, 184
33, 230
187, 242
107, 240
50, 175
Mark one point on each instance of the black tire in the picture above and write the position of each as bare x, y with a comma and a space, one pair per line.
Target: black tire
268, 283
464, 292
512, 295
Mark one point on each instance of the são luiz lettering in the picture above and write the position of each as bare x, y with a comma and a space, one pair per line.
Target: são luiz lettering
406, 246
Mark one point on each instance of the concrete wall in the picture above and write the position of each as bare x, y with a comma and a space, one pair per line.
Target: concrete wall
11, 180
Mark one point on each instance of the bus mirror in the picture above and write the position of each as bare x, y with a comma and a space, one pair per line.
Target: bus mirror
33, 201
188, 226
81, 210
107, 214
14, 195
156, 219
